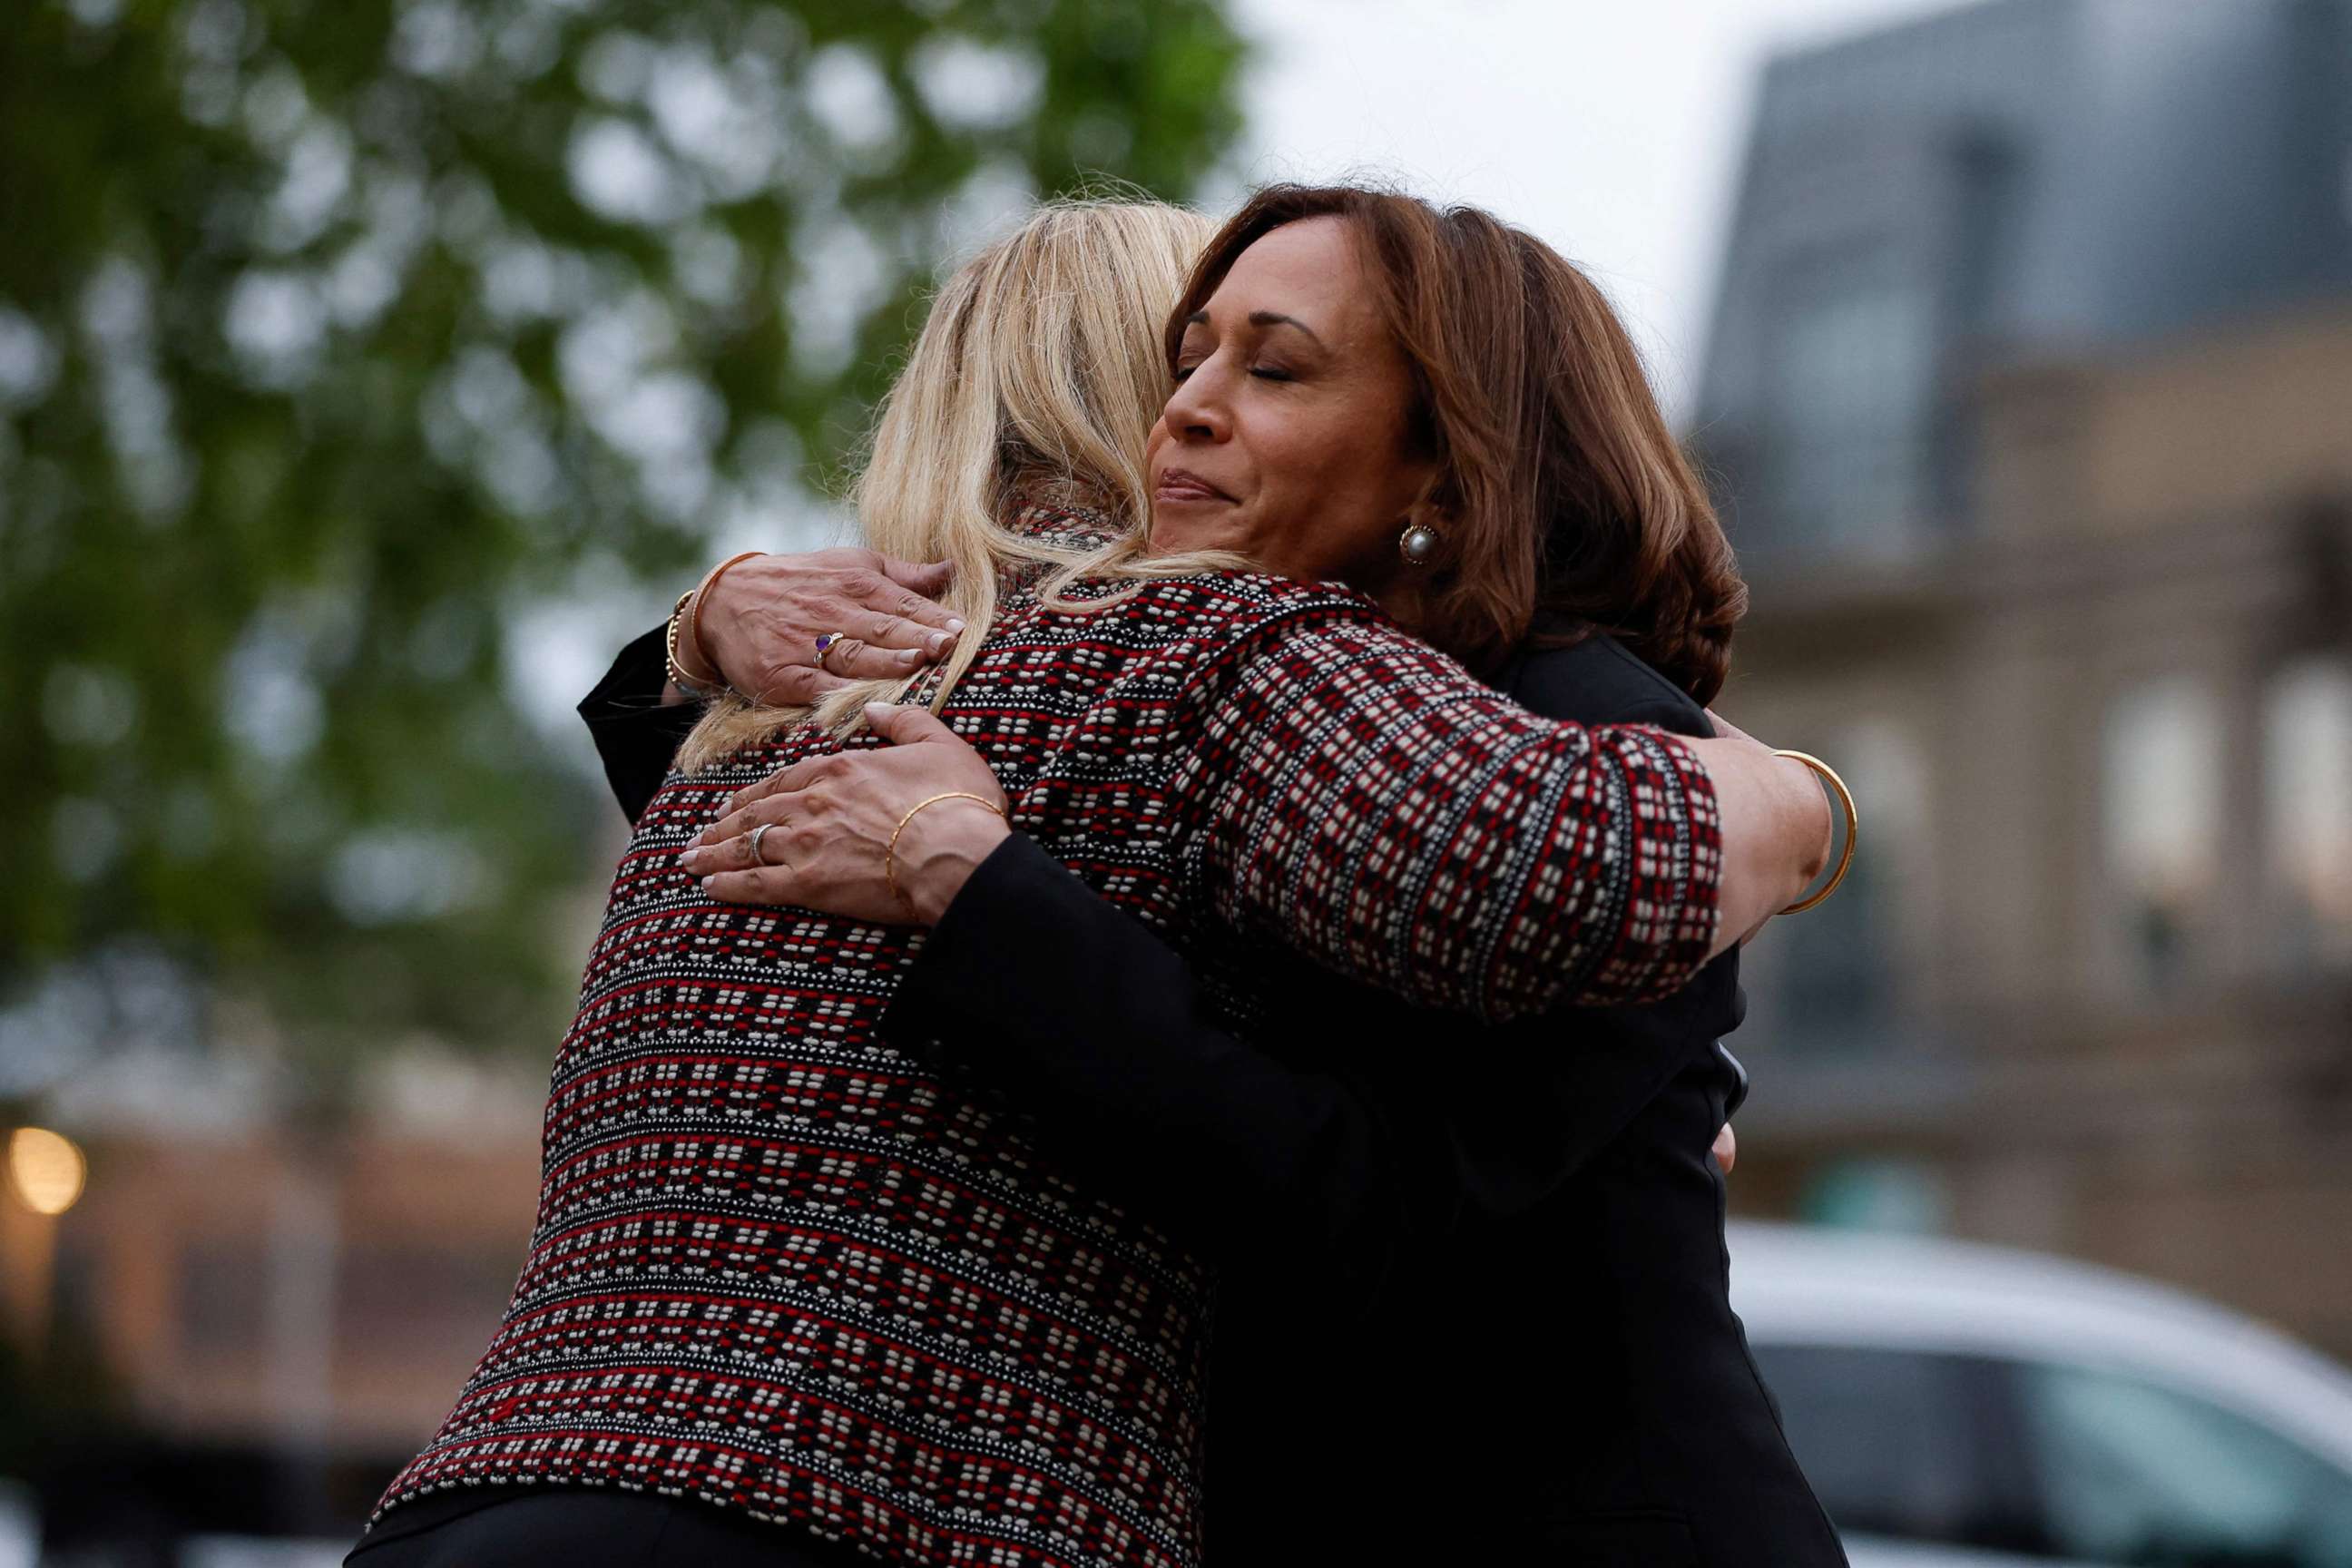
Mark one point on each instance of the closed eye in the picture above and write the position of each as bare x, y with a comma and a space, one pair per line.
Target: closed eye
1183, 372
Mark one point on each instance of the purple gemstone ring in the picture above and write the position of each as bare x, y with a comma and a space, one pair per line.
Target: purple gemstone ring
825, 643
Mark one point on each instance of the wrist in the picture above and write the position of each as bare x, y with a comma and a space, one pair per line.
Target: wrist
1812, 825
686, 676
940, 850
693, 653
702, 631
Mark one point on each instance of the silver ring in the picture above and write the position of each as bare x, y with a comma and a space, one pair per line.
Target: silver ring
757, 833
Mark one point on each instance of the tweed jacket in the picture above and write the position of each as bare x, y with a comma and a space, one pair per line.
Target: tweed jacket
782, 1266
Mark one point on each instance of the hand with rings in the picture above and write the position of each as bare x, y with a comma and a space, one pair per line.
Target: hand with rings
869, 616
920, 812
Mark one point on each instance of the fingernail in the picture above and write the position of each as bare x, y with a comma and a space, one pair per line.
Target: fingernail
690, 858
707, 881
938, 643
954, 626
911, 654
875, 710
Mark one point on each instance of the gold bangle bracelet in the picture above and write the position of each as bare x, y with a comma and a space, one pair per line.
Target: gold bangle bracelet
694, 615
1853, 826
890, 852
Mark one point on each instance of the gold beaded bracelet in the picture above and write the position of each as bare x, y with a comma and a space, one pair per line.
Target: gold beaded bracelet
677, 675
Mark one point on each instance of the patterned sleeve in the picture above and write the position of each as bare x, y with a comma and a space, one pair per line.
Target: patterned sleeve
1368, 802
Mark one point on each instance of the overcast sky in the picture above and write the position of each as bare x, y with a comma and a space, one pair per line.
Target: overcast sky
1612, 128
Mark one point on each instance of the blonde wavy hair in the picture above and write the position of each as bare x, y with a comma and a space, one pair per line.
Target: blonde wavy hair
1038, 374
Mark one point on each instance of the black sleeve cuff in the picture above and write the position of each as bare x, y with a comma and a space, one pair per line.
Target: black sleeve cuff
964, 970
635, 734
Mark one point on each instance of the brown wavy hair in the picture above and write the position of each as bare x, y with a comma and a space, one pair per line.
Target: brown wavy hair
1565, 502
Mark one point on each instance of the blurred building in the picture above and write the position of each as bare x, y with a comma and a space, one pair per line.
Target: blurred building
2030, 405
257, 1292
282, 1321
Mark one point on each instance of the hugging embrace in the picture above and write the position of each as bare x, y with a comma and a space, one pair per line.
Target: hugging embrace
1168, 1010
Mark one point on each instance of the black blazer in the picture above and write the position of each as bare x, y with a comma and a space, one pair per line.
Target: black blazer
1474, 1293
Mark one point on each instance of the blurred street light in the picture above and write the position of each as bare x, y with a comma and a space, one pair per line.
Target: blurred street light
46, 1172
46, 1169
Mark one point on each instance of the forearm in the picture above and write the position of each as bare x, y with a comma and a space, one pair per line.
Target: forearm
1372, 806
1776, 833
1035, 987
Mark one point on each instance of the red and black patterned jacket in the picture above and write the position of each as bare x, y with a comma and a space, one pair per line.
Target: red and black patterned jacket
779, 1265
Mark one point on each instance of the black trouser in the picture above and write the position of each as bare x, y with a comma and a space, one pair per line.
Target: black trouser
583, 1527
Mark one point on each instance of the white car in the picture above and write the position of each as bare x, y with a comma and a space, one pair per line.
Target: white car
1963, 1406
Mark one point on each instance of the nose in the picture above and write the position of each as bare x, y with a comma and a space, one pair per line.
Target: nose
1198, 409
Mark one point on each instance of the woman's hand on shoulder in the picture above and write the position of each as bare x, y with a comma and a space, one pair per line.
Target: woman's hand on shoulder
765, 615
831, 821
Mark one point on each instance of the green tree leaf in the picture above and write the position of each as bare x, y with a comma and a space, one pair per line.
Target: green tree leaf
332, 337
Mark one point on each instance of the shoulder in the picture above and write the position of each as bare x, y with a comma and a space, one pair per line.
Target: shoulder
1240, 612
1252, 653
1600, 681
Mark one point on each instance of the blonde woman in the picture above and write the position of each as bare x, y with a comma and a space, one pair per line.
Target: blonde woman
785, 1274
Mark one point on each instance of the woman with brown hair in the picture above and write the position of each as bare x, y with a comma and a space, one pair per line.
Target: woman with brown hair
1472, 1296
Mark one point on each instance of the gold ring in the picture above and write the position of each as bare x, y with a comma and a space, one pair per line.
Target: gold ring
1853, 826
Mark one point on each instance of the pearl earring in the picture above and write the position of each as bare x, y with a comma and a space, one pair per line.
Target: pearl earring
1419, 544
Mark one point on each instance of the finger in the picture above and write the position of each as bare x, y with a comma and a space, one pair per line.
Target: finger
1727, 1148
745, 796
922, 583
774, 810
928, 619
885, 630
765, 885
731, 852
841, 656
796, 686
928, 578
784, 781
898, 647
906, 723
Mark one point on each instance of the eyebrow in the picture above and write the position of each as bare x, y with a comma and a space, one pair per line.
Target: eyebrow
1260, 319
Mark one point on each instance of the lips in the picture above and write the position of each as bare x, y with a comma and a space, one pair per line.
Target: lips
1179, 485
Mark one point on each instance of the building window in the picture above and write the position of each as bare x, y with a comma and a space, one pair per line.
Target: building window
2162, 810
2308, 809
1848, 437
